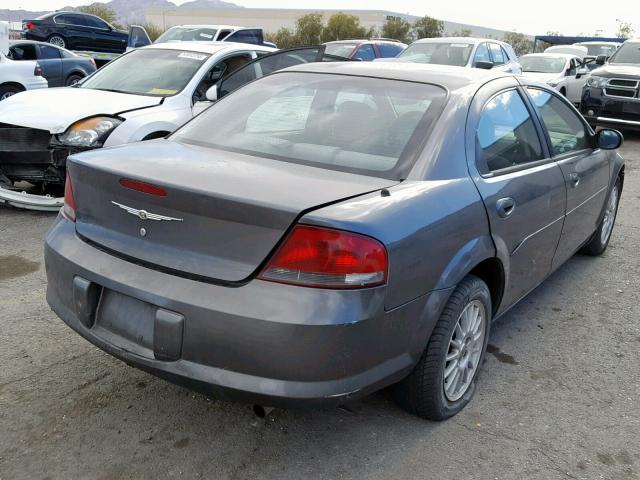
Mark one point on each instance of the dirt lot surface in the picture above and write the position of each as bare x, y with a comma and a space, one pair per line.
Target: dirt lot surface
558, 397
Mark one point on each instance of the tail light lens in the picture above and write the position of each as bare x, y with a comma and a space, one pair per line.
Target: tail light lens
69, 207
29, 26
38, 70
327, 258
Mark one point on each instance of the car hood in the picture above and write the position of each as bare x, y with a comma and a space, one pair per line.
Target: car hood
54, 109
618, 71
542, 77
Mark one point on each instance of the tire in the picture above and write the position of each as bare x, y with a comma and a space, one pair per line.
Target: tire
7, 91
424, 391
57, 40
73, 79
599, 241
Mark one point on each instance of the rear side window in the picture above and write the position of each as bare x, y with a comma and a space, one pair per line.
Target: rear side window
506, 135
253, 37
363, 125
48, 53
497, 53
566, 131
71, 19
365, 52
389, 50
95, 23
23, 51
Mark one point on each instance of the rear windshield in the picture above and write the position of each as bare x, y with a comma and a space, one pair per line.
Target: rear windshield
596, 50
362, 125
148, 71
187, 34
340, 49
440, 53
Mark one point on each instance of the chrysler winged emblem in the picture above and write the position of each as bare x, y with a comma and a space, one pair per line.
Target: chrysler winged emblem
144, 215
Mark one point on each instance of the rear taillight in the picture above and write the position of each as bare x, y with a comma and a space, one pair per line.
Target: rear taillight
38, 70
69, 207
143, 187
29, 26
328, 258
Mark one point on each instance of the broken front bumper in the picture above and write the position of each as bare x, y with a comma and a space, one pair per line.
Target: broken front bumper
43, 203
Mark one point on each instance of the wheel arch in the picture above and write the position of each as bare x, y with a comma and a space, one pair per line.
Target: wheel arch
13, 84
156, 134
491, 271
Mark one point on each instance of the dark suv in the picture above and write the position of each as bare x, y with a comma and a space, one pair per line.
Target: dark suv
611, 96
76, 31
366, 50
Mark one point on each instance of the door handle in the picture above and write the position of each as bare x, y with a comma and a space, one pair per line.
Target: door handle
505, 207
574, 179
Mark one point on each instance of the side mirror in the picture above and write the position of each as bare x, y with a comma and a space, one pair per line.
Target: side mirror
582, 71
608, 139
212, 94
601, 59
484, 65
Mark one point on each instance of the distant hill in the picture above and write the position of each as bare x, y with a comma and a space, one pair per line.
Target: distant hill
128, 11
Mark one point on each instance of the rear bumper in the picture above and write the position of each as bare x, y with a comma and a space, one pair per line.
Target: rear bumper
260, 343
606, 111
36, 83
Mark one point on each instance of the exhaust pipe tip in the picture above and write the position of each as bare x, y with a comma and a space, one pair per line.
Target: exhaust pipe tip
262, 412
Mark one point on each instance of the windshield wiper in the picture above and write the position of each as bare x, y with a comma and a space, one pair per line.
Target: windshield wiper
109, 90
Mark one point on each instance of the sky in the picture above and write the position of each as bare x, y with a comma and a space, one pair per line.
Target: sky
570, 17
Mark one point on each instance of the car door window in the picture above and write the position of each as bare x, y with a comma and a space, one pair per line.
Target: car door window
71, 19
219, 71
566, 131
572, 68
506, 135
48, 53
94, 22
253, 36
482, 54
506, 56
365, 52
497, 54
23, 52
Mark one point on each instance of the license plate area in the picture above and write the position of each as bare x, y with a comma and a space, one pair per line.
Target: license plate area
126, 322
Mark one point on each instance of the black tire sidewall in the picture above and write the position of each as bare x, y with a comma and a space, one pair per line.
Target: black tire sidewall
67, 82
9, 88
478, 291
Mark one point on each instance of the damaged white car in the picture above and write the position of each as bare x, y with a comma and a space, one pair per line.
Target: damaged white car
146, 93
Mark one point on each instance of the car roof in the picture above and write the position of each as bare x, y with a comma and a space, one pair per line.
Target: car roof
35, 42
597, 43
365, 40
219, 27
207, 47
568, 56
473, 40
452, 78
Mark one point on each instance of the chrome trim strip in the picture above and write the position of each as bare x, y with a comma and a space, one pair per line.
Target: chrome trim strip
618, 120
587, 200
524, 240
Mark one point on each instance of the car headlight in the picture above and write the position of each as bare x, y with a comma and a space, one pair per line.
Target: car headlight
90, 132
596, 82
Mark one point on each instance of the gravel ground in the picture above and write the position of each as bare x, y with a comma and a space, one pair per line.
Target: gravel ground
558, 397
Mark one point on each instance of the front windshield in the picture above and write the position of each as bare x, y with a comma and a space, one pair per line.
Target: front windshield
148, 71
355, 124
340, 49
187, 34
533, 64
456, 54
627, 53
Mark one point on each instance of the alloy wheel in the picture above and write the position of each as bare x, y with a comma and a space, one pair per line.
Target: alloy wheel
465, 350
609, 215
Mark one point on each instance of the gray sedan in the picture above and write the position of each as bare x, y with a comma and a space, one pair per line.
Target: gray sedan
330, 230
59, 66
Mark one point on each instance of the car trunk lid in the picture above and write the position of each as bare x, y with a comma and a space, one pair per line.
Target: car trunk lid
222, 213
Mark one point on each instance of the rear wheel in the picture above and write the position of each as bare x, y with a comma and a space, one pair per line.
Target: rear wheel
73, 79
600, 239
444, 380
57, 40
7, 91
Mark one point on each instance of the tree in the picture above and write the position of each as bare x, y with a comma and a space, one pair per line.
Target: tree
625, 29
397, 28
103, 11
465, 32
343, 26
283, 38
520, 42
309, 29
428, 27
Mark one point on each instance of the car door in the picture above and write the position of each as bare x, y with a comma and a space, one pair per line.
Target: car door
585, 168
138, 37
576, 78
523, 189
75, 31
106, 38
51, 63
